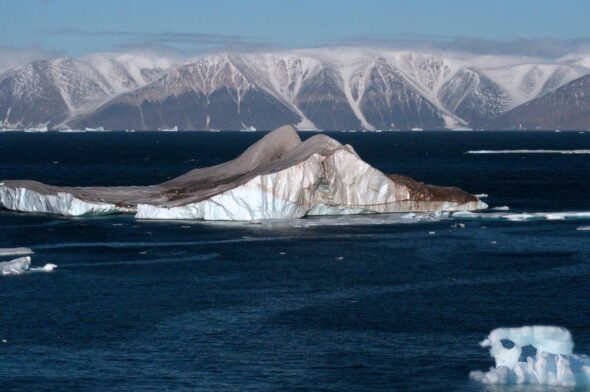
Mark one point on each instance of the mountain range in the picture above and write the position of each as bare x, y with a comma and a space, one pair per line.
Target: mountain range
313, 89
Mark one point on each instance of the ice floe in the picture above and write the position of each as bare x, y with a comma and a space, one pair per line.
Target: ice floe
534, 355
15, 251
500, 208
22, 265
527, 152
524, 216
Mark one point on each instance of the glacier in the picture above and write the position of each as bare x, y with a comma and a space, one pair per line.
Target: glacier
278, 177
534, 355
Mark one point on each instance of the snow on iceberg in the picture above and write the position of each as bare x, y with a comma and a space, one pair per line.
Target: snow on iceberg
278, 177
22, 265
534, 355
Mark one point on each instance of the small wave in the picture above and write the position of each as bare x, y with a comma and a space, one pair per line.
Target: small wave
207, 256
527, 152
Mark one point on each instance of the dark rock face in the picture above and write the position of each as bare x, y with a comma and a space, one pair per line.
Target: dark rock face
192, 110
473, 97
389, 102
567, 108
323, 101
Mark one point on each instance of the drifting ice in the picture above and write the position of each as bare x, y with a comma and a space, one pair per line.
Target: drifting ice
534, 355
278, 177
22, 265
15, 251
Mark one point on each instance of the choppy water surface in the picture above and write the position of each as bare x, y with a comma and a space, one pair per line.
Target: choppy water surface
368, 303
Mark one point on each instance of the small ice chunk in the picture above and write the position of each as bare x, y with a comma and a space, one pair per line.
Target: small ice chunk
15, 267
534, 355
22, 265
501, 208
583, 228
15, 251
46, 268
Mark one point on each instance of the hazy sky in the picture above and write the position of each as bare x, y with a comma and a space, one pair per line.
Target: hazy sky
76, 27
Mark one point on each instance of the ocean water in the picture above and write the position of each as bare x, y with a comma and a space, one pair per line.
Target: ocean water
343, 304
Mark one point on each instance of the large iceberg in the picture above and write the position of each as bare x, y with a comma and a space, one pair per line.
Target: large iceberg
278, 177
534, 355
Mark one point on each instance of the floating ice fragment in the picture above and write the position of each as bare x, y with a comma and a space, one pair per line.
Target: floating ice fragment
15, 267
46, 268
15, 251
524, 216
583, 228
534, 355
22, 265
527, 152
501, 208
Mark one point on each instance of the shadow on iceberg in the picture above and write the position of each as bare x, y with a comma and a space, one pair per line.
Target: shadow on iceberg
278, 177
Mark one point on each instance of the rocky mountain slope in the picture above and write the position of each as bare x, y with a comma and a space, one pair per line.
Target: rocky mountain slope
568, 107
325, 89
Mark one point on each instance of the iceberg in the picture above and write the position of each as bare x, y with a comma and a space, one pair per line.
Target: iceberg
15, 251
278, 177
15, 267
534, 355
22, 265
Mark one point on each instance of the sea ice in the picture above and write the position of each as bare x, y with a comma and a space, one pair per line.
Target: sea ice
527, 152
534, 355
22, 265
15, 251
523, 216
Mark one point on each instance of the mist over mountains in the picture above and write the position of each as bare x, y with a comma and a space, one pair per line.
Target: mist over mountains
315, 89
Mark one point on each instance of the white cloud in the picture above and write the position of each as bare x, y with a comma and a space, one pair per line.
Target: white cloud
13, 57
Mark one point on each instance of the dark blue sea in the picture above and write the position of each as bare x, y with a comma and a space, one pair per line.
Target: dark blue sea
369, 304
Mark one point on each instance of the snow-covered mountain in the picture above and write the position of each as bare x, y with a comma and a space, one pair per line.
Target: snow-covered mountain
47, 92
567, 107
336, 88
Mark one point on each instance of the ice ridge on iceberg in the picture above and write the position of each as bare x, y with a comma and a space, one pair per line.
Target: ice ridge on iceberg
534, 355
278, 177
